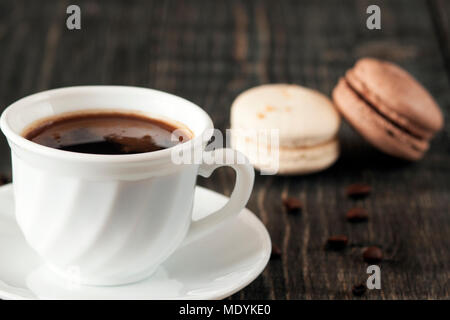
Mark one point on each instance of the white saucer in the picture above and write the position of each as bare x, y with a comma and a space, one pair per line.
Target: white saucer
213, 267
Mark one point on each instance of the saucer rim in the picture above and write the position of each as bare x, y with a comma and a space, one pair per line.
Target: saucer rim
245, 214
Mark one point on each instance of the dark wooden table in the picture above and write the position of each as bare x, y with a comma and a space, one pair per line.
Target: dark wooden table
210, 51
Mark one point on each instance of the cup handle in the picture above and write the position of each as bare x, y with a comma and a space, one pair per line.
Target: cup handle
245, 175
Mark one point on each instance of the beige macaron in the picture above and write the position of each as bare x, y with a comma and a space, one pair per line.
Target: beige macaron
285, 127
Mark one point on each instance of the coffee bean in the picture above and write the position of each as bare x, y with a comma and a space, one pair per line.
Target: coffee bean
292, 205
357, 215
373, 255
276, 253
358, 190
359, 289
337, 242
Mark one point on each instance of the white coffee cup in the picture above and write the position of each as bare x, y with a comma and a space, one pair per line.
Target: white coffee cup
114, 218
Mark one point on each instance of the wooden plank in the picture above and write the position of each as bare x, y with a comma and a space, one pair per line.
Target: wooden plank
208, 52
312, 46
440, 15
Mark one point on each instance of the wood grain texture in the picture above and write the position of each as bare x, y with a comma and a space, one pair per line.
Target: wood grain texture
440, 15
210, 51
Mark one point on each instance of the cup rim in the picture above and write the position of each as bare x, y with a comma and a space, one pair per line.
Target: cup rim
20, 141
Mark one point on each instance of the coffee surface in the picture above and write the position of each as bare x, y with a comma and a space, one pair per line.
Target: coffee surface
107, 133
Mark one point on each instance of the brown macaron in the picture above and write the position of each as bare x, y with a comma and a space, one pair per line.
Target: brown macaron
388, 107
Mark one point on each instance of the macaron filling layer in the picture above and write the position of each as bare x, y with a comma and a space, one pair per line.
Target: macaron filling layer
374, 127
291, 147
399, 95
381, 106
381, 114
289, 160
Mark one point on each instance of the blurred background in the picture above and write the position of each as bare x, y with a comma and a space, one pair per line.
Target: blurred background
210, 51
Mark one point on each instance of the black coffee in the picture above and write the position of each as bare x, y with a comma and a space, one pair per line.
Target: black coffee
107, 133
